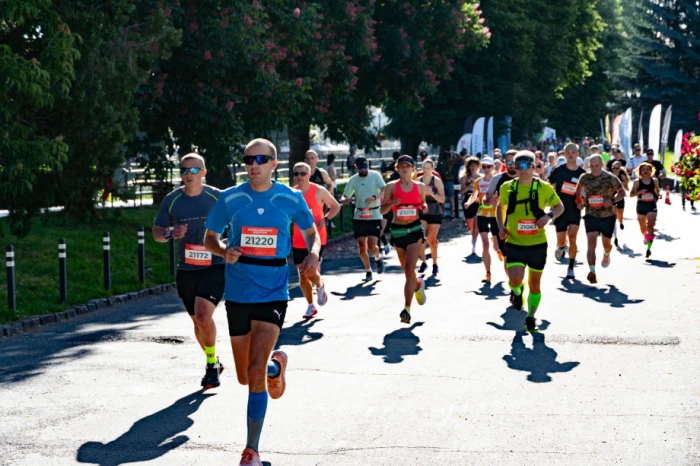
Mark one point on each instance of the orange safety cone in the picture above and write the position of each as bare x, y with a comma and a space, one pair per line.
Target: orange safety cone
668, 196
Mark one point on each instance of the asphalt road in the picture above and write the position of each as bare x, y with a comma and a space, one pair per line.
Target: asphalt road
613, 378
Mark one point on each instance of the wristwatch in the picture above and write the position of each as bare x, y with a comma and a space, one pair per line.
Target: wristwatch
168, 234
551, 214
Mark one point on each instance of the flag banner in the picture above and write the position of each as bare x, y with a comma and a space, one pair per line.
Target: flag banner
616, 130
624, 134
464, 143
640, 131
602, 129
655, 131
606, 136
489, 137
478, 137
627, 146
665, 129
677, 146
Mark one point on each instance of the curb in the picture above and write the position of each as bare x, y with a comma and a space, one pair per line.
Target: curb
32, 324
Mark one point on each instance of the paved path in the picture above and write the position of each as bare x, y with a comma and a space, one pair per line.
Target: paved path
612, 379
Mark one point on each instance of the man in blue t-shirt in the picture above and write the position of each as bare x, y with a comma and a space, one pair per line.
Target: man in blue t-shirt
259, 214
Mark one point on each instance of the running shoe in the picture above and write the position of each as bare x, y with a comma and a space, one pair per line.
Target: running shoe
512, 297
368, 276
380, 265
645, 241
559, 253
487, 279
322, 295
386, 249
311, 311
211, 376
592, 278
518, 300
570, 274
435, 269
420, 292
422, 267
277, 385
617, 245
648, 253
531, 324
221, 366
606, 260
250, 457
692, 207
500, 256
405, 316
622, 226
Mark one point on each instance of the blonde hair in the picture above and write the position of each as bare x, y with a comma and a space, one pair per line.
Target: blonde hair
645, 164
262, 142
194, 156
430, 161
302, 164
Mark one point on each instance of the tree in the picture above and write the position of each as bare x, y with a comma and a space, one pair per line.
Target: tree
37, 54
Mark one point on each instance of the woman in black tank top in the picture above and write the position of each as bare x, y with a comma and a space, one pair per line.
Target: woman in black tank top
646, 190
434, 198
618, 171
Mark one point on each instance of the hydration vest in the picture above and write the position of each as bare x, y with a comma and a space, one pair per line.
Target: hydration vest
532, 201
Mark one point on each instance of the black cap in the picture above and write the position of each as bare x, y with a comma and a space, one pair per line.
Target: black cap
405, 159
649, 151
361, 163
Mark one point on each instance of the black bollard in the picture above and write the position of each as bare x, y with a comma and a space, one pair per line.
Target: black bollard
171, 247
142, 258
106, 262
62, 278
11, 287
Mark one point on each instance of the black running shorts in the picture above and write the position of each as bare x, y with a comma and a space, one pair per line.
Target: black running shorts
603, 225
299, 254
405, 241
240, 315
571, 216
533, 257
362, 228
487, 224
619, 204
432, 219
206, 283
644, 208
470, 212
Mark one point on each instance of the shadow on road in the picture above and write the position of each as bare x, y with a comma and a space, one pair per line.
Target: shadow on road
665, 237
628, 252
540, 360
299, 334
432, 282
612, 295
149, 438
490, 292
472, 259
514, 320
361, 290
399, 343
661, 264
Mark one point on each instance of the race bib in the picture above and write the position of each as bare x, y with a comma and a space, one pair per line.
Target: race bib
648, 197
197, 255
257, 241
568, 188
527, 227
365, 214
595, 201
406, 213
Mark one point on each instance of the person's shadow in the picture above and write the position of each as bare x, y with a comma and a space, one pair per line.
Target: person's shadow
361, 290
661, 264
624, 249
514, 320
665, 237
612, 295
432, 282
299, 334
491, 292
149, 438
473, 259
399, 343
540, 361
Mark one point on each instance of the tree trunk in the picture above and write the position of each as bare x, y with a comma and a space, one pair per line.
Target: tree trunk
298, 145
410, 145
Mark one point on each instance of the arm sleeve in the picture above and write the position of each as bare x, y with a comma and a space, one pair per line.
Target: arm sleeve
163, 217
217, 220
302, 218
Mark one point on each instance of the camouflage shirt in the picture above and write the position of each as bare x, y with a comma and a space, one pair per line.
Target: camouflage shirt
598, 189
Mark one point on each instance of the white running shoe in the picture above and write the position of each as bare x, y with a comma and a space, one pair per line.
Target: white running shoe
559, 253
310, 311
322, 295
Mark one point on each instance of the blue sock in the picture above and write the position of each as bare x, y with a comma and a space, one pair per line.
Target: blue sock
257, 406
273, 369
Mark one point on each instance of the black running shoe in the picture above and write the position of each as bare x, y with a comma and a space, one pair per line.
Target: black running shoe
622, 226
435, 269
380, 265
531, 324
648, 252
518, 300
422, 267
368, 276
405, 316
512, 296
211, 377
617, 245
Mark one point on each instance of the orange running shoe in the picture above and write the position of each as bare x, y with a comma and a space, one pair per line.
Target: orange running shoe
500, 256
250, 457
277, 385
488, 278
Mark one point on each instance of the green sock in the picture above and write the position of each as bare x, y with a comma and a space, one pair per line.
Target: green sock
649, 243
517, 290
210, 352
592, 267
533, 302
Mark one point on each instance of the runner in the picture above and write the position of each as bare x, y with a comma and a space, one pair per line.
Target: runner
635, 161
602, 191
317, 198
259, 214
435, 198
466, 182
200, 277
619, 171
407, 198
564, 179
486, 215
368, 187
318, 176
522, 226
646, 190
389, 216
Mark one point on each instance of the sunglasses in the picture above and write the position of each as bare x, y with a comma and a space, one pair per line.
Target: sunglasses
487, 166
510, 164
300, 174
523, 166
193, 170
259, 159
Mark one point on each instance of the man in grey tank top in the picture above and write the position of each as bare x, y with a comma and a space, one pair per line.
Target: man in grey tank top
200, 275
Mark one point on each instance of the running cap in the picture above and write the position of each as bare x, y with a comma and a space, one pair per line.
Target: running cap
353, 148
649, 151
561, 160
487, 160
406, 159
523, 156
361, 163
571, 146
637, 146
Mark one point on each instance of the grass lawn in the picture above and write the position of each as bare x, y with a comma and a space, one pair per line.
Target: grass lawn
36, 260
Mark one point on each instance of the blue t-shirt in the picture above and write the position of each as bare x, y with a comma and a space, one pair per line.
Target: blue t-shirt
260, 223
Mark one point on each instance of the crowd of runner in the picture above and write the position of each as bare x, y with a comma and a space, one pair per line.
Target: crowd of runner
234, 244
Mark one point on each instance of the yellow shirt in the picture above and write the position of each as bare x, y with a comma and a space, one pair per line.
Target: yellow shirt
521, 226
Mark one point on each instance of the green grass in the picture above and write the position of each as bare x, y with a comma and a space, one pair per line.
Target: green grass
36, 260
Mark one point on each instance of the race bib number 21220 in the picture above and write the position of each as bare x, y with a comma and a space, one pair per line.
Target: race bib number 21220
258, 241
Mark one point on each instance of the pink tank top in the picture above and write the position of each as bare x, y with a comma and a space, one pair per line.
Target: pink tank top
316, 210
410, 205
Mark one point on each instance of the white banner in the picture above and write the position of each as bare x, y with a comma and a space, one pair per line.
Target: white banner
489, 137
640, 131
624, 135
478, 137
602, 130
655, 131
677, 145
664, 133
464, 143
627, 145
